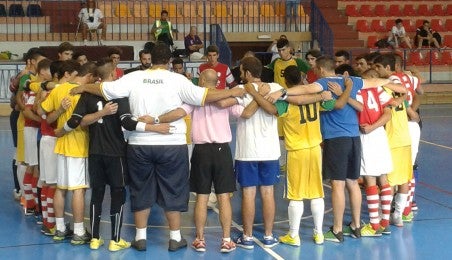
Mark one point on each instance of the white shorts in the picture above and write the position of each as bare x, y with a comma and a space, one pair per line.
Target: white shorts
31, 145
72, 173
93, 26
415, 134
47, 160
375, 153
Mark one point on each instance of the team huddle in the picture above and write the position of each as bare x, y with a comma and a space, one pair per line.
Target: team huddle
95, 130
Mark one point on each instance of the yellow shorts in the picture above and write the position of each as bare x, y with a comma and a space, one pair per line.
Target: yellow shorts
402, 166
304, 174
20, 152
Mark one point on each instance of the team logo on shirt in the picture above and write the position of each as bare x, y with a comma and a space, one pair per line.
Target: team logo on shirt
152, 81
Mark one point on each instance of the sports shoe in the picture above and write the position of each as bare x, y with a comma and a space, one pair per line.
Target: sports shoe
38, 218
289, 240
408, 218
62, 235
17, 194
227, 247
85, 42
385, 230
414, 206
95, 243
349, 231
333, 237
139, 245
48, 231
396, 220
318, 237
270, 242
29, 211
199, 245
174, 245
243, 242
120, 245
368, 231
80, 240
283, 168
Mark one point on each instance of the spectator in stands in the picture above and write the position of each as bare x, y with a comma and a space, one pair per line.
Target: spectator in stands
80, 57
398, 35
92, 18
292, 14
341, 57
114, 53
224, 73
266, 76
193, 44
162, 29
426, 36
178, 67
145, 59
65, 51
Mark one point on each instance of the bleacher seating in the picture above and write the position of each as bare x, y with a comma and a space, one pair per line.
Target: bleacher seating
377, 26
394, 10
408, 10
423, 10
352, 10
437, 25
365, 10
2, 10
16, 10
34, 10
380, 10
438, 10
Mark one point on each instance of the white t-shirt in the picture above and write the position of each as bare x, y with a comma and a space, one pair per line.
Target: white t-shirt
257, 137
399, 32
97, 15
155, 92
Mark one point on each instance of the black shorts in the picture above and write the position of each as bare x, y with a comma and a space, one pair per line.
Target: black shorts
158, 174
341, 158
212, 163
103, 170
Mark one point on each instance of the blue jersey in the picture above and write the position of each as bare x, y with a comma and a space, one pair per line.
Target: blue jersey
340, 122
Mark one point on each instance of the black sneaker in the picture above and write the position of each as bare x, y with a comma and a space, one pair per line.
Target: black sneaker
80, 240
62, 235
334, 237
349, 231
174, 245
139, 245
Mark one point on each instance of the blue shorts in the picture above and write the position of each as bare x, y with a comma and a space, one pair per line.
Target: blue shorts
257, 173
158, 174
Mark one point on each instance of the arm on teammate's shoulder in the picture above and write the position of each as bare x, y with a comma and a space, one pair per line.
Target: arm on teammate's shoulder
396, 87
89, 88
375, 82
358, 106
412, 114
227, 102
395, 102
261, 101
250, 110
214, 95
416, 102
109, 109
342, 100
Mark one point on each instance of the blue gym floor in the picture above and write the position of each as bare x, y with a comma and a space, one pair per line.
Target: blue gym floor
428, 236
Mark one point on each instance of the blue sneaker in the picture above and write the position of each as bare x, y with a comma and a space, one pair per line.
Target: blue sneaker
243, 242
270, 242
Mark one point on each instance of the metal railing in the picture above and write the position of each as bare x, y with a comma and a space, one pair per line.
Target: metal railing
321, 31
131, 20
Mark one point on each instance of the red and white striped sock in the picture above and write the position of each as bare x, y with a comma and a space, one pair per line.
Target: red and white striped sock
44, 204
412, 186
28, 192
50, 209
386, 199
373, 200
34, 188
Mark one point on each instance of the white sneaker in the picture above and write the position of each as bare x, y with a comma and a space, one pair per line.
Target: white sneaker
85, 42
17, 194
101, 42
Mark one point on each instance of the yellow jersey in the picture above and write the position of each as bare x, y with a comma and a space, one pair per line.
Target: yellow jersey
397, 127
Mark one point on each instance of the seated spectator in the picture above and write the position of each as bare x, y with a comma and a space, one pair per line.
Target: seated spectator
178, 67
145, 59
266, 76
92, 19
427, 37
162, 29
193, 44
114, 53
398, 35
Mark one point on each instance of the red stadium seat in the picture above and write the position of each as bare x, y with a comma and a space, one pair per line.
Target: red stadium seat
351, 10
449, 9
394, 10
362, 26
438, 10
437, 25
446, 58
389, 24
433, 57
447, 40
448, 25
377, 26
416, 58
366, 11
408, 10
409, 26
380, 10
371, 40
419, 22
423, 10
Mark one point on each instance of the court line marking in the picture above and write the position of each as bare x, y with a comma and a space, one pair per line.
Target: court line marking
434, 144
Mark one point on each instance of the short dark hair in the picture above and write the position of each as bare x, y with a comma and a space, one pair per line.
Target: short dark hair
281, 43
398, 21
104, 67
425, 21
292, 75
68, 66
325, 62
385, 60
55, 67
87, 68
114, 50
344, 53
314, 52
341, 69
32, 52
65, 46
160, 54
253, 65
43, 64
163, 12
77, 54
144, 51
177, 61
213, 48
